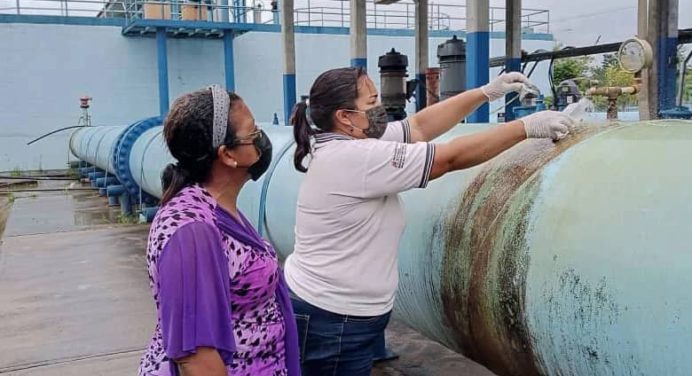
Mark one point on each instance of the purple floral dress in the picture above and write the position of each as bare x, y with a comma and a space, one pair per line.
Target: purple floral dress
212, 290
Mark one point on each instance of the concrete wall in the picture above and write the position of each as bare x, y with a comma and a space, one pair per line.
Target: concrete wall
47, 67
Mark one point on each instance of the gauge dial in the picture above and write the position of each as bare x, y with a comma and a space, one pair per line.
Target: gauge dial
635, 54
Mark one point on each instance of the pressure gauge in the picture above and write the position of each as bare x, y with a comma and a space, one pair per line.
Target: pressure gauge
635, 54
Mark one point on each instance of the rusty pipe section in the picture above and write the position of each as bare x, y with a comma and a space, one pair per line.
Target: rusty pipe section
613, 91
566, 258
612, 94
560, 259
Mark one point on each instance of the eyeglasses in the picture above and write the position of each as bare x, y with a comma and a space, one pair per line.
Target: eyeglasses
354, 111
250, 138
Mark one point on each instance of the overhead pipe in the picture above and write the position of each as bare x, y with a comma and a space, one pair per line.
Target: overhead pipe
684, 36
552, 259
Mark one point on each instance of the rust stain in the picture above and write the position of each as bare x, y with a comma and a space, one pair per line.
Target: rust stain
484, 267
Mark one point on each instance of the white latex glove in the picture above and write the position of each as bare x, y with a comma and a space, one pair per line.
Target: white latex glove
547, 124
504, 84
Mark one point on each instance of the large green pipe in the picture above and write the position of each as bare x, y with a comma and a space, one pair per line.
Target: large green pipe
557, 259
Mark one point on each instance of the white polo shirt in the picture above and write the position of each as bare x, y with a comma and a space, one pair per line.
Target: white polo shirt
349, 220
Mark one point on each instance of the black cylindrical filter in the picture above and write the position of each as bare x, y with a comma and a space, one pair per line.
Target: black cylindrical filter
452, 58
393, 66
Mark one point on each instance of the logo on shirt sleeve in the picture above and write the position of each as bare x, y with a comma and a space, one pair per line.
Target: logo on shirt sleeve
399, 157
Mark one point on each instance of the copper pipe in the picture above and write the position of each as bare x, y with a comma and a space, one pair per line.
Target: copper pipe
612, 94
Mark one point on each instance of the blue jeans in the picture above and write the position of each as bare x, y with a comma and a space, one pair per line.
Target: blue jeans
335, 345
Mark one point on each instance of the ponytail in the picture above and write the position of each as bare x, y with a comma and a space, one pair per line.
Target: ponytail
177, 176
173, 179
301, 132
333, 90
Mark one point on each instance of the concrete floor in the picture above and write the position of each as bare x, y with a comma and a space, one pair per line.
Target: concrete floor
74, 295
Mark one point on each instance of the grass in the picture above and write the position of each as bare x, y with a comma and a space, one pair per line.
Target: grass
73, 173
16, 172
127, 219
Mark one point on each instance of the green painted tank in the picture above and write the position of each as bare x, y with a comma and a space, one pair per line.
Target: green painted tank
568, 258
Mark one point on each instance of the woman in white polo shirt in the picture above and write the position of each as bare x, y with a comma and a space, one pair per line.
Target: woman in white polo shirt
349, 220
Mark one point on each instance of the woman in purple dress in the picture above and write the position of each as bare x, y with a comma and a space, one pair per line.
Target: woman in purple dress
222, 303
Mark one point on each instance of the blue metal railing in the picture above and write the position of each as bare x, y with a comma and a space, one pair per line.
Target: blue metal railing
324, 13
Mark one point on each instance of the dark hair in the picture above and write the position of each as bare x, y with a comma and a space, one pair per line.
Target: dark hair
188, 131
333, 90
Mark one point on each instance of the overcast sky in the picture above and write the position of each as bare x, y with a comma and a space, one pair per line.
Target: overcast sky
581, 22
573, 22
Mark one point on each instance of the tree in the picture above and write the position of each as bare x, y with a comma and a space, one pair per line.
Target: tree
610, 74
599, 73
571, 69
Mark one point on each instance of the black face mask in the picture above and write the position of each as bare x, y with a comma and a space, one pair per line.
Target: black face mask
377, 121
264, 147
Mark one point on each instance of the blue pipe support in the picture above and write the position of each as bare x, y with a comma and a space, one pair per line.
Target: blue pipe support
162, 58
477, 73
125, 204
115, 190
229, 63
147, 214
84, 171
110, 180
112, 200
289, 96
106, 181
667, 73
553, 258
95, 175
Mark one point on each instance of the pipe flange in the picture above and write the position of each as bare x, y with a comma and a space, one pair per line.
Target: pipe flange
123, 149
